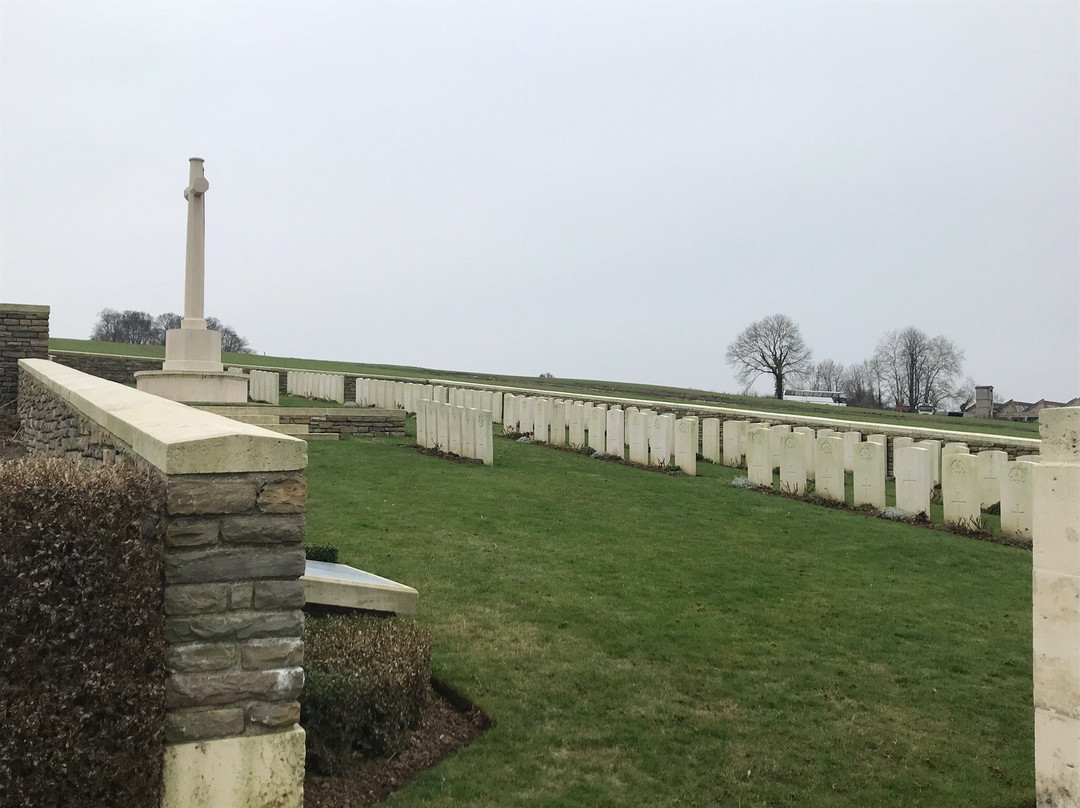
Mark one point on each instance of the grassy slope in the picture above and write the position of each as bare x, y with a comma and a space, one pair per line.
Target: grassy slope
644, 639
586, 386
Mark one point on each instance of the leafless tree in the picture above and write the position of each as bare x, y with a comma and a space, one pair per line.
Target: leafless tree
139, 328
863, 384
828, 375
773, 347
230, 340
131, 327
918, 369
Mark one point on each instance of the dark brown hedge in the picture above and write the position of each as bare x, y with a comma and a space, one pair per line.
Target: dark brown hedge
82, 641
366, 681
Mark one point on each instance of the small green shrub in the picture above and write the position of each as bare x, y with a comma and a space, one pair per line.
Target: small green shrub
366, 682
321, 552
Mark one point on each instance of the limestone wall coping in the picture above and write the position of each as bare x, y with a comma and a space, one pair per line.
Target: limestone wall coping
24, 307
171, 436
866, 427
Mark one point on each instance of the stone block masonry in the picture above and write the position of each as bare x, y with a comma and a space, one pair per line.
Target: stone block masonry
119, 369
24, 334
346, 420
234, 503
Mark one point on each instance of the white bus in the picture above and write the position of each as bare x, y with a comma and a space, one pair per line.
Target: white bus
831, 397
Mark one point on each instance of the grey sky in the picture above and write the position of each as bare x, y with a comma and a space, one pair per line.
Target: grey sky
603, 190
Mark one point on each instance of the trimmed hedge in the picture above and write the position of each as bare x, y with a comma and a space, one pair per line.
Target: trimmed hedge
321, 552
82, 640
366, 681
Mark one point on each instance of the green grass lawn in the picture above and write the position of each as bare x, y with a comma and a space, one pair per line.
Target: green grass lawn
644, 639
586, 387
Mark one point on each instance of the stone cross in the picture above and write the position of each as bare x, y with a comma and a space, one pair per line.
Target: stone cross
194, 269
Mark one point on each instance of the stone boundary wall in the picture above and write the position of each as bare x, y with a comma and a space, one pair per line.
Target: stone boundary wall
346, 421
235, 497
24, 334
119, 369
122, 369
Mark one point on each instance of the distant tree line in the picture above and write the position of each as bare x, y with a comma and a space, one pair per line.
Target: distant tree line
139, 328
908, 367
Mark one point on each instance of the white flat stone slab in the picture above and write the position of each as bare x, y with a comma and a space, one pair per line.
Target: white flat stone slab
341, 585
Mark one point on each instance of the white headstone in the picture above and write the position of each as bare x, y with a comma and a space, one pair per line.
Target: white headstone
468, 431
1055, 555
758, 457
455, 418
616, 429
509, 413
960, 489
868, 475
829, 478
851, 440
421, 425
639, 438
598, 428
899, 443
743, 436
710, 439
442, 427
483, 445
1017, 489
541, 419
669, 436
686, 445
776, 437
626, 423
808, 446
911, 467
577, 425
557, 427
991, 466
483, 449
527, 416
793, 462
933, 447
659, 448
733, 444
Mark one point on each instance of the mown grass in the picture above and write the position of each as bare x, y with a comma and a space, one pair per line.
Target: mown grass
643, 639
585, 387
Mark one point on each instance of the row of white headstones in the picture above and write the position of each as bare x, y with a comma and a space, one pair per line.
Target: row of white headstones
309, 384
968, 483
463, 431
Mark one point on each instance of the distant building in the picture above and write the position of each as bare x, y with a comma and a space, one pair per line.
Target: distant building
1013, 410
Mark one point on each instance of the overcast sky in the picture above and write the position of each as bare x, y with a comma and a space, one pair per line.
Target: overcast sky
607, 190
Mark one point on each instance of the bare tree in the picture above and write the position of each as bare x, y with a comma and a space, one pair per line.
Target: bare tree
230, 340
139, 328
773, 347
828, 375
863, 384
918, 369
167, 322
131, 327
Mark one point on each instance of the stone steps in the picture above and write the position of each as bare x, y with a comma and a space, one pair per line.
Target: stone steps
267, 417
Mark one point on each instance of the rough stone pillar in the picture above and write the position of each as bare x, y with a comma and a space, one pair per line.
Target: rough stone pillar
234, 505
1056, 610
24, 334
